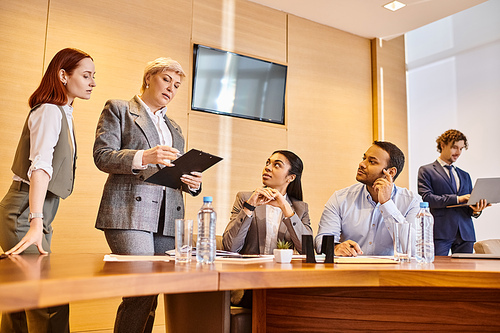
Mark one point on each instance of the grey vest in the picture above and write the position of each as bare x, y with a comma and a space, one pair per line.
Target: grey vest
63, 164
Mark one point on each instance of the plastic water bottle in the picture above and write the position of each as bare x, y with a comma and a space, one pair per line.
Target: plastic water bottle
206, 245
425, 238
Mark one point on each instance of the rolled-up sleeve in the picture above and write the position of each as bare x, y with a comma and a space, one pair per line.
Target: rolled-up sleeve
45, 126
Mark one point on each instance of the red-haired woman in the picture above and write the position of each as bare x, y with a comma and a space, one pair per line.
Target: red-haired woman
44, 167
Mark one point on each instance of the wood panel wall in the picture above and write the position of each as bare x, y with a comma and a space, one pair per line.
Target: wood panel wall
329, 107
329, 100
22, 44
244, 144
389, 97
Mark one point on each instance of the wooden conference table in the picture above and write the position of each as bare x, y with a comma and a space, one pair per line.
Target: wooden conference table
450, 294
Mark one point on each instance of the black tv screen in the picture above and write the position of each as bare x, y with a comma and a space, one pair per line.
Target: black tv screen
232, 84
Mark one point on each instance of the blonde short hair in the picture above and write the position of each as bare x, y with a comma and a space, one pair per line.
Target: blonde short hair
159, 65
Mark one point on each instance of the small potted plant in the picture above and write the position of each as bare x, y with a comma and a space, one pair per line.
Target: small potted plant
283, 253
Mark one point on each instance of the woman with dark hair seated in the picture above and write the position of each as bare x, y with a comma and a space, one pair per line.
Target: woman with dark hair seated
270, 213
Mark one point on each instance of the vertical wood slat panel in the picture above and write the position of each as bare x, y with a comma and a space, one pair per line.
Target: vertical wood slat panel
22, 42
241, 26
329, 107
389, 96
244, 144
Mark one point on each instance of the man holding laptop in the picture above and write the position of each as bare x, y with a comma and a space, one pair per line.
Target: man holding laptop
442, 184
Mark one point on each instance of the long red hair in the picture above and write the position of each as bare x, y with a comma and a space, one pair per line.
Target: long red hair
51, 90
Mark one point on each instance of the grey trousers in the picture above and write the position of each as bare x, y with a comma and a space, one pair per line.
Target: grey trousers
14, 224
136, 314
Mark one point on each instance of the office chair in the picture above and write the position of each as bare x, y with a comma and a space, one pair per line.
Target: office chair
491, 246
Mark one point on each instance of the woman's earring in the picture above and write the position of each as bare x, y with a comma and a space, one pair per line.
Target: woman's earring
147, 86
64, 84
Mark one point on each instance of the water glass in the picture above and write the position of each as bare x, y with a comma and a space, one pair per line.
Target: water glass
183, 240
402, 237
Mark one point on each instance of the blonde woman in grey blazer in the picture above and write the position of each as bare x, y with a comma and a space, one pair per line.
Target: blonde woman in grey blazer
135, 139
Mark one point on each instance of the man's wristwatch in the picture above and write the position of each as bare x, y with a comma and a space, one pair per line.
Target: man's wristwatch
32, 216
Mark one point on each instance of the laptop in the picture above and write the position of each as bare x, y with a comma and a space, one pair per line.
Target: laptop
475, 256
485, 188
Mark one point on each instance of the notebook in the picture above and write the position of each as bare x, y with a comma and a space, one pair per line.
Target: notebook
485, 188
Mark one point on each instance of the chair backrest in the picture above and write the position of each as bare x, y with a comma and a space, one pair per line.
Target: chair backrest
491, 246
218, 241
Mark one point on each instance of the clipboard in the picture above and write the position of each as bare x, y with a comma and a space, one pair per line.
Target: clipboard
193, 160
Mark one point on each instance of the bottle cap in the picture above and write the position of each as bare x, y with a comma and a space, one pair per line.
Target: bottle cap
207, 199
424, 205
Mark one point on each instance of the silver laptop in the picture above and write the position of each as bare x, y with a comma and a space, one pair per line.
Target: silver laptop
475, 256
485, 188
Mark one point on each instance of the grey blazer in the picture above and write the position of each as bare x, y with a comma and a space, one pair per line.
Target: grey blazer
127, 201
247, 235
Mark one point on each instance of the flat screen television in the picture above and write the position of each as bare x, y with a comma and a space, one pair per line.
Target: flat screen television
231, 84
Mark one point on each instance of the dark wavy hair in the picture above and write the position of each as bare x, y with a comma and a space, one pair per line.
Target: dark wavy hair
396, 156
452, 136
51, 90
294, 189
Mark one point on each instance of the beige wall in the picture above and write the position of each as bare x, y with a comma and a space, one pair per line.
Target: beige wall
389, 101
329, 98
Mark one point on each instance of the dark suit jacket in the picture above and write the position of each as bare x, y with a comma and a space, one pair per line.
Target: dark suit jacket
434, 186
247, 235
127, 201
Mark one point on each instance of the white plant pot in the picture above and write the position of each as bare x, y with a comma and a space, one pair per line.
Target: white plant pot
283, 256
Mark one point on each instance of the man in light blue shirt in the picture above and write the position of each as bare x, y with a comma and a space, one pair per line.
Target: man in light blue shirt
358, 216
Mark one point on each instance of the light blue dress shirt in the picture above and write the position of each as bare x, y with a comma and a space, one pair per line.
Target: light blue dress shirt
351, 213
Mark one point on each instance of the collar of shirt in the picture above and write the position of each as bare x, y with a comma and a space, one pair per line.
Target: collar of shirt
158, 119
68, 110
162, 111
443, 163
370, 199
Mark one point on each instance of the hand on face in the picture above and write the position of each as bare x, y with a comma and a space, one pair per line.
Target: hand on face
383, 187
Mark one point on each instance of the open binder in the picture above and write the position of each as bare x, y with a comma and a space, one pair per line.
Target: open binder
193, 160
